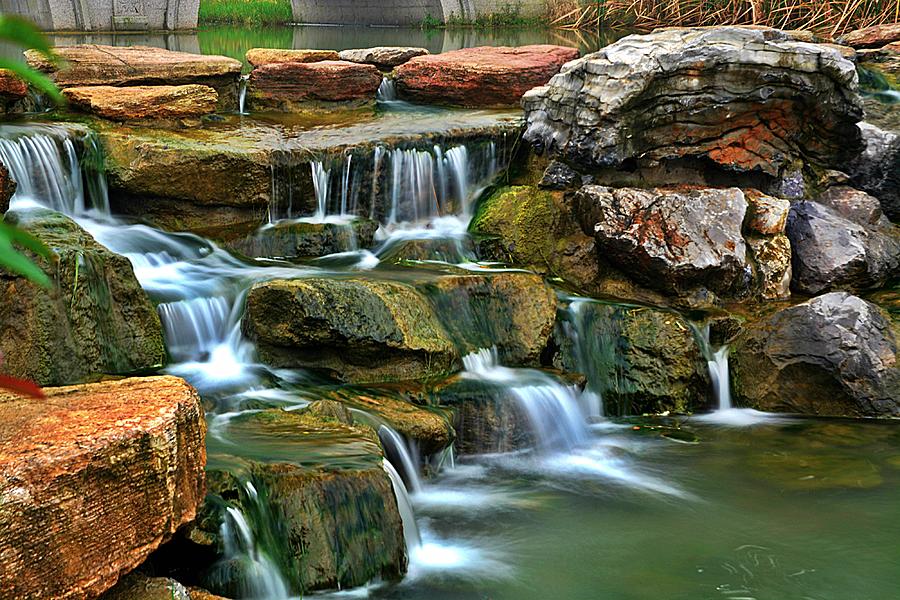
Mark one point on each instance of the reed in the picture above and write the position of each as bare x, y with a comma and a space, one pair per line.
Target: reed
245, 12
829, 18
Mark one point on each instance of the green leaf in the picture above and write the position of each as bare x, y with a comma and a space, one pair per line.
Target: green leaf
25, 239
12, 260
35, 78
23, 32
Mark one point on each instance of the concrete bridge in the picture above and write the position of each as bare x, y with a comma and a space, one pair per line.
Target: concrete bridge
168, 15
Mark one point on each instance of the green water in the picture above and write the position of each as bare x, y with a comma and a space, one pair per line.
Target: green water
798, 510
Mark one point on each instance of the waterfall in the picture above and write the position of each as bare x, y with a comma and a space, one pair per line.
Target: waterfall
387, 91
553, 410
718, 372
46, 163
404, 505
577, 327
395, 447
242, 96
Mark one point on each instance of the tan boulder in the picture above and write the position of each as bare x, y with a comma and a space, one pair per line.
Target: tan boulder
281, 86
383, 57
157, 102
266, 56
872, 37
94, 478
11, 87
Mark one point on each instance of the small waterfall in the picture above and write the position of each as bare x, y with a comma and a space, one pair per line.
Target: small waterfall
404, 505
387, 91
718, 372
242, 95
396, 448
577, 327
553, 410
46, 163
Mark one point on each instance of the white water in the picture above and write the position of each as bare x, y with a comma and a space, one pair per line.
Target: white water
387, 91
576, 326
395, 445
242, 96
404, 505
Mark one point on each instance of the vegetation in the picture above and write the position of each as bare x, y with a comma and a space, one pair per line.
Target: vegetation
827, 17
245, 12
508, 17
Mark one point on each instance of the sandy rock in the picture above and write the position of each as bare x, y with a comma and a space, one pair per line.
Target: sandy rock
484, 76
265, 56
774, 270
282, 85
872, 37
766, 215
11, 87
94, 479
151, 103
383, 57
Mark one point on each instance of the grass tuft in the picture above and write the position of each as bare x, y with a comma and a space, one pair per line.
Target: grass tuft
245, 12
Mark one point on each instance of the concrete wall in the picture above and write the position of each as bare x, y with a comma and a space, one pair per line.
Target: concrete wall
106, 15
404, 12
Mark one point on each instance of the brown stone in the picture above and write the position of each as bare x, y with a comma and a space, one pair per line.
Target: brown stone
11, 87
158, 102
7, 188
266, 56
872, 37
383, 57
280, 85
766, 215
95, 478
484, 76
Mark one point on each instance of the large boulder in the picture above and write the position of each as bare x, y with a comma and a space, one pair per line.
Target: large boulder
94, 64
290, 85
93, 479
361, 330
95, 318
670, 240
383, 57
479, 77
875, 36
156, 104
877, 169
834, 355
266, 56
842, 242
745, 99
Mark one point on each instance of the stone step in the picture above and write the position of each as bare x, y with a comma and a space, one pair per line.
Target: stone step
158, 104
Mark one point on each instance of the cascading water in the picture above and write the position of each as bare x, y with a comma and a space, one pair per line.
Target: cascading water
242, 96
404, 505
397, 449
577, 326
387, 91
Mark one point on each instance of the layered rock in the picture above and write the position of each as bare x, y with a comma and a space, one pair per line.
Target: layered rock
769, 247
94, 64
266, 56
299, 239
383, 57
834, 355
361, 330
157, 104
95, 318
94, 478
284, 85
748, 100
877, 169
479, 77
872, 37
842, 242
670, 240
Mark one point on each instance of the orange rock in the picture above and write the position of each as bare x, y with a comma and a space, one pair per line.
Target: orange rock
92, 480
277, 85
872, 37
265, 56
11, 87
144, 102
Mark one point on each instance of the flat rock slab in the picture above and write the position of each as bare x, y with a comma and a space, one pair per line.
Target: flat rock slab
383, 57
165, 102
480, 77
265, 56
92, 480
872, 37
280, 85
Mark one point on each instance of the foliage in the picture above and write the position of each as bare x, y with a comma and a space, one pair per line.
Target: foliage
21, 32
827, 17
245, 12
509, 16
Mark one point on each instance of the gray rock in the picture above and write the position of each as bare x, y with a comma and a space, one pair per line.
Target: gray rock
746, 99
834, 355
833, 252
560, 176
670, 240
877, 169
383, 57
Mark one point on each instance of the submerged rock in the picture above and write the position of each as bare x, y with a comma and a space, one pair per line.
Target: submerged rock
751, 100
160, 103
877, 169
834, 355
670, 240
266, 56
288, 85
479, 77
93, 479
362, 330
95, 318
383, 57
299, 239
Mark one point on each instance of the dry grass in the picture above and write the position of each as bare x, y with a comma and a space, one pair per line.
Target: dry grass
826, 17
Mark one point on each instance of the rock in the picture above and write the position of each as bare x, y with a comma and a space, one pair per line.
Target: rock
877, 169
94, 479
670, 240
744, 99
640, 360
361, 330
323, 510
774, 270
159, 103
885, 62
513, 311
832, 252
560, 176
12, 89
852, 204
95, 319
7, 188
533, 228
479, 77
94, 64
834, 355
330, 409
201, 594
383, 57
766, 215
137, 586
282, 86
298, 239
872, 37
267, 56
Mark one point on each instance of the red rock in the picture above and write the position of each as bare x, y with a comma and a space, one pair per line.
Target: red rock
872, 37
92, 480
279, 85
11, 87
485, 76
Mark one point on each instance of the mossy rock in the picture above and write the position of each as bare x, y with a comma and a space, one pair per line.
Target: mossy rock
302, 239
95, 319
